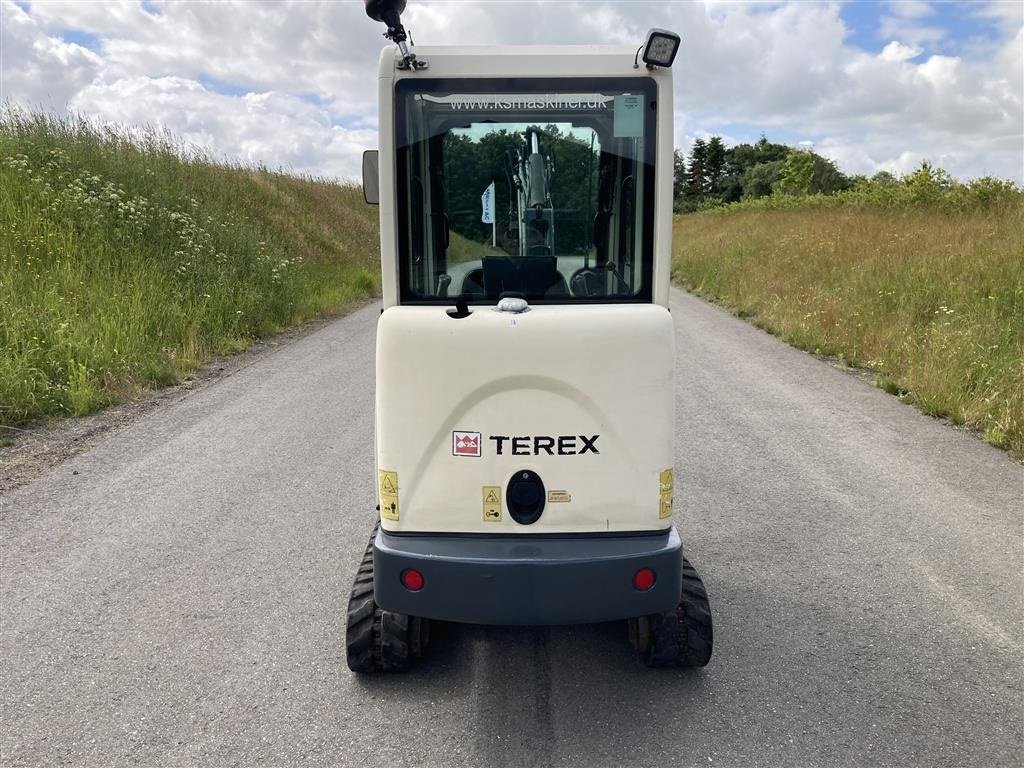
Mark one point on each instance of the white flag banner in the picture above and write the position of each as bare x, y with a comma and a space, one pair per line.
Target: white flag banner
487, 201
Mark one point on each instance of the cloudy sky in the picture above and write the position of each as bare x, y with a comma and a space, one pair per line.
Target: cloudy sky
872, 85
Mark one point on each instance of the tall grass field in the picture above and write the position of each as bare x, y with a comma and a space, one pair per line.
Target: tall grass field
925, 291
126, 261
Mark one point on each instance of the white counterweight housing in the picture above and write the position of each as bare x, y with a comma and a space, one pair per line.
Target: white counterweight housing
528, 384
579, 391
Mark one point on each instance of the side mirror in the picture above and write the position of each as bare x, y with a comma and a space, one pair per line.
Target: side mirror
371, 177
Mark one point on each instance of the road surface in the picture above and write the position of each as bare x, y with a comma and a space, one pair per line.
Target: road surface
175, 595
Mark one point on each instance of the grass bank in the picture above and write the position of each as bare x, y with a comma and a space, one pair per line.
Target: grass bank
928, 297
125, 263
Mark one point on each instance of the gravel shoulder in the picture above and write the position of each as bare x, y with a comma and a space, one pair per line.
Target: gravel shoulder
40, 446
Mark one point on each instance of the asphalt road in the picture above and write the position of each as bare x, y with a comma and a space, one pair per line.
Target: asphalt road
175, 595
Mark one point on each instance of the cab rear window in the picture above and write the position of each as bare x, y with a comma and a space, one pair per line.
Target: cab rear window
542, 189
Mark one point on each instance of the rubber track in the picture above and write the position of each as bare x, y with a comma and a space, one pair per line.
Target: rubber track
684, 637
375, 640
359, 631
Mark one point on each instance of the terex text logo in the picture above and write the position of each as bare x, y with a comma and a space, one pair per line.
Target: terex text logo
471, 444
466, 443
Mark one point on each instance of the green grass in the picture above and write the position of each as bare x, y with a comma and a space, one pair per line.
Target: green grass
462, 249
125, 262
929, 297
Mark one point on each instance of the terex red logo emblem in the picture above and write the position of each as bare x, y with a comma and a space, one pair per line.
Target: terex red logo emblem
466, 443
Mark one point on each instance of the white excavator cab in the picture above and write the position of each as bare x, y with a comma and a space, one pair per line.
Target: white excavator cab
524, 403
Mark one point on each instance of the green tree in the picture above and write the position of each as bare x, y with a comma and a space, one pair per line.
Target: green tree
797, 174
471, 165
827, 179
808, 173
714, 174
759, 180
680, 179
697, 170
740, 159
715, 166
928, 183
743, 156
731, 188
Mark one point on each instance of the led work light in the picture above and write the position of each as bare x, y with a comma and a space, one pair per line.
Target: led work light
660, 48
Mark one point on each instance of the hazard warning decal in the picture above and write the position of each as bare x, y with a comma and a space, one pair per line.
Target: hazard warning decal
466, 444
388, 485
492, 503
666, 487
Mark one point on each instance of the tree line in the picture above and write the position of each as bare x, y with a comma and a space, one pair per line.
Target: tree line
713, 174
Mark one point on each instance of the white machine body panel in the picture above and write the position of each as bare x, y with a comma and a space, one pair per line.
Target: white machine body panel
581, 395
577, 391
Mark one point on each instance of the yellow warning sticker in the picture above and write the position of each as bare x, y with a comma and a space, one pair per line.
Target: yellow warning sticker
667, 480
492, 503
666, 486
388, 484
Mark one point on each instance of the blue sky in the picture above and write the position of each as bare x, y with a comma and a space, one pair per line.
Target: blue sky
958, 23
79, 37
873, 85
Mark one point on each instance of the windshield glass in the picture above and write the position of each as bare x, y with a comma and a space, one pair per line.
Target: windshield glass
541, 189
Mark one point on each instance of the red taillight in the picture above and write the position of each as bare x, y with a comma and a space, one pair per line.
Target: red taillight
643, 579
413, 580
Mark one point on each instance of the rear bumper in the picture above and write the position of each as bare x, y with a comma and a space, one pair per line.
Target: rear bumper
530, 580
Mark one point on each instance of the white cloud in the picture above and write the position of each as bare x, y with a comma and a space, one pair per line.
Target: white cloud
328, 49
894, 27
1008, 14
39, 70
940, 71
897, 51
911, 9
273, 128
295, 84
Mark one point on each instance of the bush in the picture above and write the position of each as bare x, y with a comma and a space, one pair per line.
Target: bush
927, 187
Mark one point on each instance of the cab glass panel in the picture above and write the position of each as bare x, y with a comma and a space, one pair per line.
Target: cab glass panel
537, 188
